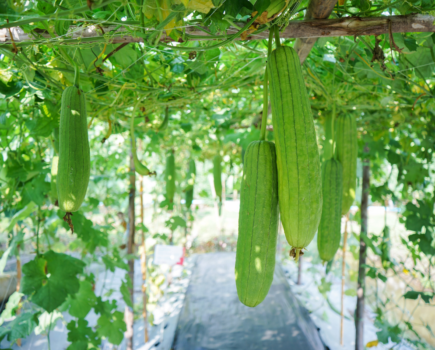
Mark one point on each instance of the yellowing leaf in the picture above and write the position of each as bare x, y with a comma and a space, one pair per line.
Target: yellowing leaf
184, 2
166, 10
203, 6
160, 12
149, 8
372, 344
273, 11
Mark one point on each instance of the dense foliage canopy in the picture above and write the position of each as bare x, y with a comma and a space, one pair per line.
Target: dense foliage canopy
211, 86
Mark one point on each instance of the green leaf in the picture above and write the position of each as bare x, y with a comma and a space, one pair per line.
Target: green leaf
410, 43
81, 336
177, 68
114, 261
216, 21
135, 72
41, 126
212, 56
61, 27
20, 327
85, 230
393, 157
17, 239
125, 291
363, 5
174, 222
21, 215
83, 301
125, 57
36, 190
350, 292
104, 307
422, 61
387, 332
425, 241
370, 244
198, 67
425, 296
50, 110
50, 278
261, 5
16, 170
371, 272
72, 3
234, 7
382, 277
102, 14
11, 307
112, 327
186, 127
324, 287
416, 172
45, 7
47, 321
10, 89
89, 55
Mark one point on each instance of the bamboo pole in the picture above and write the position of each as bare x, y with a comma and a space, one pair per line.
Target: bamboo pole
343, 275
129, 317
18, 264
143, 264
359, 312
306, 29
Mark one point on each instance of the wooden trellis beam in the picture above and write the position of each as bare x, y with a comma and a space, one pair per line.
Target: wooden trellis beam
318, 28
317, 9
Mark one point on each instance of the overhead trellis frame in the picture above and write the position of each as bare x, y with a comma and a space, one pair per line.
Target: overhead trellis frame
306, 29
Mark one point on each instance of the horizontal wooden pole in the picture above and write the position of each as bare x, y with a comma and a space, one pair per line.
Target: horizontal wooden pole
316, 28
356, 26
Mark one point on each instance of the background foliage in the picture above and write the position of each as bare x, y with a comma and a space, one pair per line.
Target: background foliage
213, 90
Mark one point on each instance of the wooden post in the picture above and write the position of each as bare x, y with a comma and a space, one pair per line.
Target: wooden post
343, 275
317, 9
18, 269
186, 218
143, 265
130, 250
18, 259
359, 312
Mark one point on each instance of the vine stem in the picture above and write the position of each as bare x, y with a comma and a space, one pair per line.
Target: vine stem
133, 115
223, 43
143, 262
74, 64
278, 42
49, 330
68, 58
66, 13
265, 107
265, 91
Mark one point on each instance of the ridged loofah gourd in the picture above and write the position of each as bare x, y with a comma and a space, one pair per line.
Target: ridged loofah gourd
329, 234
299, 175
74, 154
258, 223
